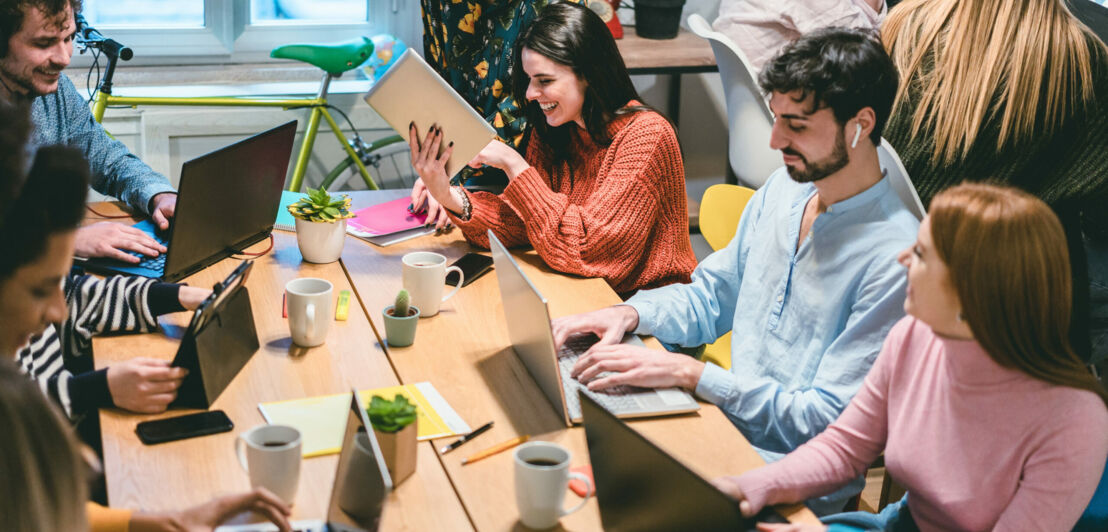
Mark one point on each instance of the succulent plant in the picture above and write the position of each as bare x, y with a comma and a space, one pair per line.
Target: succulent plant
319, 206
401, 306
391, 416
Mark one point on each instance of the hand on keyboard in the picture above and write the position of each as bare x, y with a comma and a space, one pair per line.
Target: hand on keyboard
606, 366
117, 241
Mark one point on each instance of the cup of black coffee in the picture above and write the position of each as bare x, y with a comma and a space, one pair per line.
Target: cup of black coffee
541, 476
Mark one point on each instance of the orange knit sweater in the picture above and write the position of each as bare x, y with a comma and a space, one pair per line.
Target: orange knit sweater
623, 217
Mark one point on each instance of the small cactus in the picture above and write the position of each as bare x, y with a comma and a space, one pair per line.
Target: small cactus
400, 308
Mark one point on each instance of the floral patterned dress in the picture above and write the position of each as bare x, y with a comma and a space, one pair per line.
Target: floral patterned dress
471, 44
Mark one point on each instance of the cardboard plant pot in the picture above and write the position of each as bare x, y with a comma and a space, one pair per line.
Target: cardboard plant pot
320, 242
399, 451
400, 331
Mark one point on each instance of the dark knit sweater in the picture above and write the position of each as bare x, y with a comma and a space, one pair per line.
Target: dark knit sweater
1068, 170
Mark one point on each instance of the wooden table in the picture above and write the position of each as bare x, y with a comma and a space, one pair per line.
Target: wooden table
180, 474
466, 353
684, 54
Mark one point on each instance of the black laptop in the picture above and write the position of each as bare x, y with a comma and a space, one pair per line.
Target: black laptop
641, 487
225, 203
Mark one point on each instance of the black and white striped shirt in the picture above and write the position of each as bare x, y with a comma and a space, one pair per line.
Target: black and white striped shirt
60, 359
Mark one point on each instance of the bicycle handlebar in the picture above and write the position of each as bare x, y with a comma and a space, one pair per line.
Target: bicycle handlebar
89, 36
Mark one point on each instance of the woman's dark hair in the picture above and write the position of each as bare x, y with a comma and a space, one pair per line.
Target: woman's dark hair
844, 69
51, 201
574, 36
15, 127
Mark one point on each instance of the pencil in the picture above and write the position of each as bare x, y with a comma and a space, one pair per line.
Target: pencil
500, 447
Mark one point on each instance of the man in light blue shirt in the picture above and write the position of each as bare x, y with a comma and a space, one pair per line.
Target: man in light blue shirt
36, 43
809, 285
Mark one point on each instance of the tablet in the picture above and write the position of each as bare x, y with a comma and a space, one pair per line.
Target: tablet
410, 91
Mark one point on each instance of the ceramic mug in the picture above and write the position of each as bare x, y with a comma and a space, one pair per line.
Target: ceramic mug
270, 454
542, 475
309, 309
424, 276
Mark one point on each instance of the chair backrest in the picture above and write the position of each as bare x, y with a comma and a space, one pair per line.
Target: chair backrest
899, 179
748, 118
720, 210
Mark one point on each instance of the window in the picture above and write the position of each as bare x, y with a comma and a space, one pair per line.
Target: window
207, 31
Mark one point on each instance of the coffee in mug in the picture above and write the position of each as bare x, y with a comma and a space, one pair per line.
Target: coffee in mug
424, 275
270, 454
541, 476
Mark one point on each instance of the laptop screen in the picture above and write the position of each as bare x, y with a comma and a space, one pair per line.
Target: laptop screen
362, 481
227, 199
641, 487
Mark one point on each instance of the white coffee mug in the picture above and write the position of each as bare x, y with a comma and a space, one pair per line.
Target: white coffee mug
309, 309
542, 475
270, 454
424, 278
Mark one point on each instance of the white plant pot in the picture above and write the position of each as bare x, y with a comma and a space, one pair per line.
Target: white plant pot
320, 242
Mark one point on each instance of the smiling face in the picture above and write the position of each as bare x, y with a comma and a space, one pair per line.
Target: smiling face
31, 298
813, 144
38, 53
555, 87
931, 297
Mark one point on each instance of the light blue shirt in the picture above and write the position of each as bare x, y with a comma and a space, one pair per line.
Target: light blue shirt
64, 118
808, 322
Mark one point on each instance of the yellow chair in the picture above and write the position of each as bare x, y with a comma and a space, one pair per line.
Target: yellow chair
720, 210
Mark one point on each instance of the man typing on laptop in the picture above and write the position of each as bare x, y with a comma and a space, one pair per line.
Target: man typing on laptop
809, 284
36, 43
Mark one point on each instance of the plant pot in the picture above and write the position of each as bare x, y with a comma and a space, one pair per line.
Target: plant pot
399, 451
658, 19
320, 242
400, 331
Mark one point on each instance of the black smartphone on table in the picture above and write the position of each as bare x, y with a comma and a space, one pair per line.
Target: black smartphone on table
473, 265
181, 427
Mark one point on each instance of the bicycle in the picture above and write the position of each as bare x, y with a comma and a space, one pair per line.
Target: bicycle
334, 59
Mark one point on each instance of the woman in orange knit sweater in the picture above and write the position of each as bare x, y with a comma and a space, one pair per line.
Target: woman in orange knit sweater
601, 190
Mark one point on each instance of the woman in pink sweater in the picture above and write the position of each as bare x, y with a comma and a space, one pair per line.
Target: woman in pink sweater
981, 407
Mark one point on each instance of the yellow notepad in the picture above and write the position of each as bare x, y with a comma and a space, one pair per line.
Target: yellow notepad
322, 420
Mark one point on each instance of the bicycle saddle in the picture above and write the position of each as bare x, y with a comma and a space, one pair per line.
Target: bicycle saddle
333, 58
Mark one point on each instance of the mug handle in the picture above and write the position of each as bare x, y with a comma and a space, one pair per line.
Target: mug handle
461, 279
240, 444
588, 493
309, 318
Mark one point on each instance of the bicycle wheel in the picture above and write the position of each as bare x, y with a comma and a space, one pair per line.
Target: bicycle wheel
389, 165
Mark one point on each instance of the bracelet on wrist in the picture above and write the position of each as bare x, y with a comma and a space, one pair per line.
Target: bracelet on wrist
467, 207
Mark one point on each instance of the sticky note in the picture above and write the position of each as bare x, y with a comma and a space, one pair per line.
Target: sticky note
342, 309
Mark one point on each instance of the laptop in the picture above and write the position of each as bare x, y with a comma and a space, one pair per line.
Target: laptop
641, 487
529, 329
225, 203
361, 487
410, 91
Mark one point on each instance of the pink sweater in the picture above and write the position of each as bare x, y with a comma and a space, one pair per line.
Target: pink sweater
978, 446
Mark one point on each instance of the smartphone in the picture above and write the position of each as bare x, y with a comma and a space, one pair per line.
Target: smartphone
473, 265
181, 427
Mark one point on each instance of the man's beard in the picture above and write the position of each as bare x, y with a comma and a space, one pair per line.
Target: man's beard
820, 169
17, 85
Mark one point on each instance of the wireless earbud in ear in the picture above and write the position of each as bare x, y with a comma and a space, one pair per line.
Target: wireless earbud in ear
857, 133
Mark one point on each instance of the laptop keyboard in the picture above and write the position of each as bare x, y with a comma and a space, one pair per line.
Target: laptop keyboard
617, 399
153, 263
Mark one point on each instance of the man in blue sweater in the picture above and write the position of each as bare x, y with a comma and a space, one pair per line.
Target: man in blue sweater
36, 43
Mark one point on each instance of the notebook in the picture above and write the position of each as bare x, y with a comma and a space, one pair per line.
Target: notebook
387, 223
285, 220
319, 419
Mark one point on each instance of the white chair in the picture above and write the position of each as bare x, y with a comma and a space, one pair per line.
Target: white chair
898, 178
749, 121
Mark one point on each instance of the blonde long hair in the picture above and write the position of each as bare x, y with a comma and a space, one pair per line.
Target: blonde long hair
42, 476
1009, 265
1026, 63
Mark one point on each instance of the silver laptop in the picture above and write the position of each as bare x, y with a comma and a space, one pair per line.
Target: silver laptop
410, 91
529, 329
362, 483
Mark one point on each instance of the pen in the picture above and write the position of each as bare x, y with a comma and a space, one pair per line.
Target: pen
467, 437
496, 449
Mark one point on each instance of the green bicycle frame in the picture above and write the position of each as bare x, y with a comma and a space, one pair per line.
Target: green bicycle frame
317, 105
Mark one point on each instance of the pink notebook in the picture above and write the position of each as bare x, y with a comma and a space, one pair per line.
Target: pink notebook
386, 218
